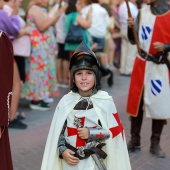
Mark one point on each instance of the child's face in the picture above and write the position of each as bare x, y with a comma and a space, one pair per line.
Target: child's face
84, 80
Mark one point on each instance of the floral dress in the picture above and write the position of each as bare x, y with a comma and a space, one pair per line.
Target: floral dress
41, 79
52, 53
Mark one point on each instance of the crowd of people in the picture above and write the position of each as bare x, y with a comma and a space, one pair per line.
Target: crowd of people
41, 54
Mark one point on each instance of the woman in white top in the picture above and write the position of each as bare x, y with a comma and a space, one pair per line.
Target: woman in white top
100, 23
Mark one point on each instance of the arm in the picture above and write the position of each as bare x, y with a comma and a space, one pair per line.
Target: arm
161, 47
117, 24
64, 152
85, 23
15, 23
131, 22
62, 141
93, 134
11, 25
37, 14
24, 31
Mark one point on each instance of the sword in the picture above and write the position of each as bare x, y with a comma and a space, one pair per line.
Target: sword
99, 162
97, 159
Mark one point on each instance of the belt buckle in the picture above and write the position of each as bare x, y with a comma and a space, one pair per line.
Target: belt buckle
160, 58
146, 57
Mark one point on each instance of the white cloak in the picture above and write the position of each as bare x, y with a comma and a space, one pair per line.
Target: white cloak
116, 148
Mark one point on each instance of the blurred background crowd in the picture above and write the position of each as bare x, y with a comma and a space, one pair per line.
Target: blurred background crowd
38, 30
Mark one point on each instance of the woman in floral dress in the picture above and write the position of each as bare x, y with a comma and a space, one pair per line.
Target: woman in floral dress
41, 80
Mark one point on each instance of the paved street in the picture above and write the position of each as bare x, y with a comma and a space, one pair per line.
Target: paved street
28, 145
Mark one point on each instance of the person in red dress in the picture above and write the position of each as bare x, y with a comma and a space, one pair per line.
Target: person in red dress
6, 79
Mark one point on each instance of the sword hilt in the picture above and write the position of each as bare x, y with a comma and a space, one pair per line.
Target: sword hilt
77, 122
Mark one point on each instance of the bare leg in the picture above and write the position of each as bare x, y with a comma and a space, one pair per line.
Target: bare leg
65, 71
59, 68
17, 85
104, 59
111, 50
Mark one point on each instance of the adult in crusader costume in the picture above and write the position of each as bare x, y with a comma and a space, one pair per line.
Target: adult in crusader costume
6, 79
97, 113
150, 81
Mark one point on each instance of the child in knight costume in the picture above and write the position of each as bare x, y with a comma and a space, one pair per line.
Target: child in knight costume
86, 132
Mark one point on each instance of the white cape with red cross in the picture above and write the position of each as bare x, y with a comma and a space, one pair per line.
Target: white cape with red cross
116, 148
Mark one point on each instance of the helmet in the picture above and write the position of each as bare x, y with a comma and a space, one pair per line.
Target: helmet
161, 7
84, 58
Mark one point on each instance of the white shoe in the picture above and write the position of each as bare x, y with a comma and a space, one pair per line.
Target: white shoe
40, 106
64, 85
60, 84
48, 100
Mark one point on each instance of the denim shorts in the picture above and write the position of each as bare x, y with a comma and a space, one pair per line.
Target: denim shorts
100, 42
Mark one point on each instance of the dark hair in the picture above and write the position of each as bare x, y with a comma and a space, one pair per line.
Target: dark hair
139, 3
94, 1
6, 0
107, 8
71, 6
87, 2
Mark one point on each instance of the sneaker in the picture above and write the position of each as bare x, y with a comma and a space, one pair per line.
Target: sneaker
65, 85
17, 124
60, 84
48, 100
43, 106
112, 68
21, 115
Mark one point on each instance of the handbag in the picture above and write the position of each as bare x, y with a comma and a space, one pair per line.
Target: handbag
75, 34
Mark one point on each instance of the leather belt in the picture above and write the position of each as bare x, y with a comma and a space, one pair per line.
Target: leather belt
162, 58
158, 59
98, 150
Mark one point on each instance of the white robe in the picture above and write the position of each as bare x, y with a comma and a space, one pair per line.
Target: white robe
116, 148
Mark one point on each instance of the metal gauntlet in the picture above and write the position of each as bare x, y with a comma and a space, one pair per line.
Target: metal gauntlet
98, 134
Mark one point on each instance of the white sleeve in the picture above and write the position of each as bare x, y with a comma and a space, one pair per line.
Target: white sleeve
134, 10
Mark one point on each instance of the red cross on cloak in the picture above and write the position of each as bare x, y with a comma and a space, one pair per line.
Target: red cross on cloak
118, 129
100, 135
73, 131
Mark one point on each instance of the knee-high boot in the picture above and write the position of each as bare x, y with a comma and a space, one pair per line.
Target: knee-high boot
136, 123
157, 127
134, 143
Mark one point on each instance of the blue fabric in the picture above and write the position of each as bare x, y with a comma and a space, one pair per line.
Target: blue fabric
72, 18
100, 42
